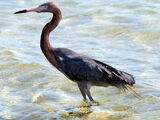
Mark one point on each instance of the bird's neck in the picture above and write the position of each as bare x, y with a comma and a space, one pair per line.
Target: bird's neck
45, 44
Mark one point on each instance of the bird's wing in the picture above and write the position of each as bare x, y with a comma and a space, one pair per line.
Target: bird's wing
78, 67
81, 69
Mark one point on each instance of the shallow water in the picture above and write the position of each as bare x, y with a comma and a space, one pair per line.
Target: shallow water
124, 34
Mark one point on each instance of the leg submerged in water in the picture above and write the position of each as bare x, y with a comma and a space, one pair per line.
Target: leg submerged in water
84, 88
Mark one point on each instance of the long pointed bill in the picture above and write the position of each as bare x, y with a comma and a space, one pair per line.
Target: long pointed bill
29, 10
22, 11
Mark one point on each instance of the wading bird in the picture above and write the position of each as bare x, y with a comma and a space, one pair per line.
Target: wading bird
83, 70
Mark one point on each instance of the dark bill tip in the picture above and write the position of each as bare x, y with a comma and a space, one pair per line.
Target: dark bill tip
22, 11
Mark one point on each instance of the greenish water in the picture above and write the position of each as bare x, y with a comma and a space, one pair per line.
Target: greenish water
124, 34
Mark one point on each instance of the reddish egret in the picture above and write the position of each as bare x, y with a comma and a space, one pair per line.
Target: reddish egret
83, 70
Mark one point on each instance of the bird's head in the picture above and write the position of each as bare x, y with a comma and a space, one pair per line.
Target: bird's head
46, 7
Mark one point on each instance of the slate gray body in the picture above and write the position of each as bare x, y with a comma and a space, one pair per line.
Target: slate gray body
90, 72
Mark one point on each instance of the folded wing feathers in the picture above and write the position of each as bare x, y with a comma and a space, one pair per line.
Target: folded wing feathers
123, 77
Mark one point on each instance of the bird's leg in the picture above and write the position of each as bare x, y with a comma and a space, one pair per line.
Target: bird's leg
84, 88
82, 92
88, 93
90, 97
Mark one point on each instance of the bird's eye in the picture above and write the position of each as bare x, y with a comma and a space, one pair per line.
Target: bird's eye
44, 7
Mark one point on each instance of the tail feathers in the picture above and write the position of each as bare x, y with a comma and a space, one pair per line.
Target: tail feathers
126, 88
128, 78
128, 81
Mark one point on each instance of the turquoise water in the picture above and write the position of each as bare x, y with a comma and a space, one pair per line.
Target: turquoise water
124, 34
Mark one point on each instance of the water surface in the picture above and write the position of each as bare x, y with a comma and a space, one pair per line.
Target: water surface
124, 34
